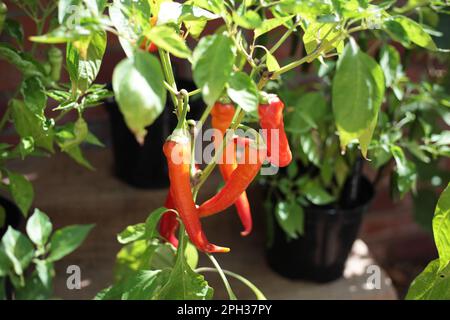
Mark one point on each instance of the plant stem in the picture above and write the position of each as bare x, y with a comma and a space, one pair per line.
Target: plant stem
194, 92
168, 74
259, 295
222, 275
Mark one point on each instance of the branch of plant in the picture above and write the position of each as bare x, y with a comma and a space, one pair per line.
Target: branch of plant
170, 79
222, 275
259, 295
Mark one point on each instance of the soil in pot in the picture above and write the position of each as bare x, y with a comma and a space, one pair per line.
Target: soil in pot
329, 232
144, 166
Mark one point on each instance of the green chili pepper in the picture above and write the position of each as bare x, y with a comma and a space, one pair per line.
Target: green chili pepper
55, 59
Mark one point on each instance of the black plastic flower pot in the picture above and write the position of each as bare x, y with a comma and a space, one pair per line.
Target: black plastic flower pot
144, 166
13, 216
320, 254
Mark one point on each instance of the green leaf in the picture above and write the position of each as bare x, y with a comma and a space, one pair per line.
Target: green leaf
315, 193
84, 58
358, 90
270, 24
290, 217
416, 33
140, 93
168, 39
34, 96
23, 63
132, 233
242, 90
441, 227
151, 223
141, 285
271, 62
39, 227
431, 284
64, 241
405, 174
142, 254
18, 249
45, 272
29, 124
212, 64
321, 33
22, 191
248, 20
391, 64
34, 289
308, 112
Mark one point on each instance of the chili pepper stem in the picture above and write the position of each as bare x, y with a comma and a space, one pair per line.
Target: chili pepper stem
222, 275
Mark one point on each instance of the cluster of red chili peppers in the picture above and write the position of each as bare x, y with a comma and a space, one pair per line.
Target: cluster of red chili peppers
237, 176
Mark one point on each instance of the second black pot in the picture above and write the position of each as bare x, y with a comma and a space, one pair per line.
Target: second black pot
321, 252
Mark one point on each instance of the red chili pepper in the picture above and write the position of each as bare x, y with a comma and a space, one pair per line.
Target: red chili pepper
271, 118
145, 45
169, 223
178, 155
221, 117
238, 182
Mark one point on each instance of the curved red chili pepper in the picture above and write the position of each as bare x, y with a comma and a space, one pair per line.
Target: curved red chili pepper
178, 155
271, 118
221, 118
168, 224
238, 182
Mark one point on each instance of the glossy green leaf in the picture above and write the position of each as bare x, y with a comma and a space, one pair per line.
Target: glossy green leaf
290, 217
18, 249
140, 93
441, 227
168, 39
270, 24
212, 64
315, 193
131, 233
22, 191
84, 58
416, 33
39, 227
358, 90
29, 124
242, 90
64, 241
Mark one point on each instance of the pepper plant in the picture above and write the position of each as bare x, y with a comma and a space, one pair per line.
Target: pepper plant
409, 144
36, 120
234, 63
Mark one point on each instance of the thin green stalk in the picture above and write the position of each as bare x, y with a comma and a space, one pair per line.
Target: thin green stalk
168, 74
194, 92
259, 295
222, 275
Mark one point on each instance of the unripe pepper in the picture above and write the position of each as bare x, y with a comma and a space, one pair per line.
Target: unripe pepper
55, 59
271, 118
169, 223
239, 180
3, 12
145, 45
178, 154
221, 117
